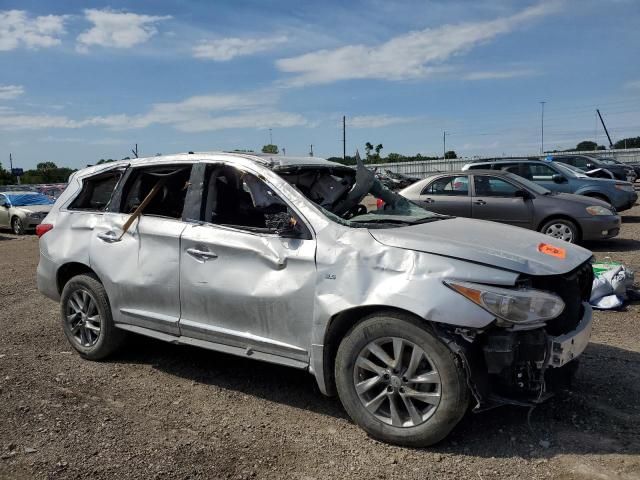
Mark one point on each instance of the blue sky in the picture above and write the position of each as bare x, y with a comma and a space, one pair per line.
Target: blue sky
80, 81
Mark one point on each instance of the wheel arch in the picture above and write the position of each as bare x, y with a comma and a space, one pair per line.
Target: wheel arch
598, 195
561, 216
338, 327
69, 270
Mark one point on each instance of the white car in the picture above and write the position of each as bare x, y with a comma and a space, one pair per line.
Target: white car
23, 210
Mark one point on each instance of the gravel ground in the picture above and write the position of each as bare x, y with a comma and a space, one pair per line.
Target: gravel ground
163, 411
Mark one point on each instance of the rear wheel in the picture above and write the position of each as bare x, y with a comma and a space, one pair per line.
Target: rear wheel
17, 226
562, 229
399, 382
86, 318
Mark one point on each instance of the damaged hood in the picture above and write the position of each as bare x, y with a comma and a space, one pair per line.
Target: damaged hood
488, 243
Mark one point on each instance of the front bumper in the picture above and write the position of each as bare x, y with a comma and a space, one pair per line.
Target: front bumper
628, 202
600, 227
569, 346
520, 367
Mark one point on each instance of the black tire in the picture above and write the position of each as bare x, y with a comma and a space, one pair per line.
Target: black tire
109, 337
454, 394
556, 223
17, 226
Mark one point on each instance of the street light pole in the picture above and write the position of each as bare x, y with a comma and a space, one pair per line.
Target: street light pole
542, 129
444, 145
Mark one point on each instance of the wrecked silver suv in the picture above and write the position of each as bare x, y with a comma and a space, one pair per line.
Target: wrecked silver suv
409, 316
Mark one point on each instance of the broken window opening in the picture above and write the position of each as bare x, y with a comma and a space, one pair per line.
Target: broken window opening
239, 199
167, 200
97, 191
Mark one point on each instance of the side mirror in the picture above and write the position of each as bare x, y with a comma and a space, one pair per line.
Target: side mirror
557, 178
6, 205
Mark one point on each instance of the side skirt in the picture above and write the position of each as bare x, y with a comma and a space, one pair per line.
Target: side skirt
248, 352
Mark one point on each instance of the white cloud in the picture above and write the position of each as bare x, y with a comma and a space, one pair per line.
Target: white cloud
194, 114
9, 92
377, 121
413, 55
225, 49
498, 75
117, 29
632, 84
18, 28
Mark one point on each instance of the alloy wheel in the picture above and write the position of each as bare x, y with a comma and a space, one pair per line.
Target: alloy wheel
83, 318
397, 382
561, 231
16, 226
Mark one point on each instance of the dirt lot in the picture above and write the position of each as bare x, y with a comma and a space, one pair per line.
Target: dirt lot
163, 411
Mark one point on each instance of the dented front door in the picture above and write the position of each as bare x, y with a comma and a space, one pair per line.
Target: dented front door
248, 290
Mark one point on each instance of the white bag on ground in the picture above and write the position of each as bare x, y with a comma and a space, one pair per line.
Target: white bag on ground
610, 289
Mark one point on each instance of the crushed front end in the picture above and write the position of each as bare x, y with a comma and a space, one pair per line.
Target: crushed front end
522, 364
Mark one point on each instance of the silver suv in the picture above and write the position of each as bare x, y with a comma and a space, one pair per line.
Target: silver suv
409, 316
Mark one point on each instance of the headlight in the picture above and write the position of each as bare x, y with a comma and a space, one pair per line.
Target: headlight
598, 210
516, 306
625, 187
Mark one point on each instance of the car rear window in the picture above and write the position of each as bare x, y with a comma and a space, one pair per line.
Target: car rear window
96, 191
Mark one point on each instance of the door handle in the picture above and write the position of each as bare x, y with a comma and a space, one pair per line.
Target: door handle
109, 237
429, 200
479, 202
203, 255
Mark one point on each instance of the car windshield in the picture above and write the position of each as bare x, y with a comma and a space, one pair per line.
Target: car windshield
534, 187
28, 199
356, 198
570, 170
609, 161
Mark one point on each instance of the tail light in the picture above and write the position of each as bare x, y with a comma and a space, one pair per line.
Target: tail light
379, 203
43, 228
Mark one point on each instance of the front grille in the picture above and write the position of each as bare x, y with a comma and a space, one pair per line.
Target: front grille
574, 288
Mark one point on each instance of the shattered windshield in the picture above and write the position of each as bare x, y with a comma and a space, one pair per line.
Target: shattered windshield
355, 198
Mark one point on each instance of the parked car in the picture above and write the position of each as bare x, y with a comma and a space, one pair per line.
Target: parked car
507, 198
560, 177
23, 210
586, 163
408, 315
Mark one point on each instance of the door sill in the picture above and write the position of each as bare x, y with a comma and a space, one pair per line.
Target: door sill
248, 352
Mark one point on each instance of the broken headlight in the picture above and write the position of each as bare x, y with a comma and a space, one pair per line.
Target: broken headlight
515, 306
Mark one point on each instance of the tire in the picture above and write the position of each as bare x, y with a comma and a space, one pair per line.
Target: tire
562, 229
447, 396
84, 307
16, 226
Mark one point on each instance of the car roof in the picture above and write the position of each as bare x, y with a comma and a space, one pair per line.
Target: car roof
508, 160
269, 160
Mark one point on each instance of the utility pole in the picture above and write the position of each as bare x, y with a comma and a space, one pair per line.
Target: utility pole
284, 151
270, 138
135, 151
311, 151
444, 145
344, 137
10, 162
542, 129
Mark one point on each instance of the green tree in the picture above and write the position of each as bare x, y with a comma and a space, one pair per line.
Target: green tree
450, 155
631, 142
44, 166
270, 148
586, 146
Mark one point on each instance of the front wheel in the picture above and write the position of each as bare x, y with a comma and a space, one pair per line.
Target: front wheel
17, 226
399, 382
86, 318
562, 229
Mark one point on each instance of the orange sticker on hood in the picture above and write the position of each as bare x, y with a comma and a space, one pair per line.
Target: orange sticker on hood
547, 249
